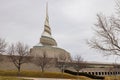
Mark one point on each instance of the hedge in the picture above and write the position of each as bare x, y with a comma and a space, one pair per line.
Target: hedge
83, 74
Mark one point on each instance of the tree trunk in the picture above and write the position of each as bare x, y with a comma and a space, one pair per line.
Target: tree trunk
77, 75
42, 72
62, 70
19, 70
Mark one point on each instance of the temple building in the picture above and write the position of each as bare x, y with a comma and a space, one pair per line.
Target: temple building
48, 45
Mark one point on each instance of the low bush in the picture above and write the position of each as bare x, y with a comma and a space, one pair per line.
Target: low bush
83, 74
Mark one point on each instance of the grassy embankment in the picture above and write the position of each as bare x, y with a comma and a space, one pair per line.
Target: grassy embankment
38, 74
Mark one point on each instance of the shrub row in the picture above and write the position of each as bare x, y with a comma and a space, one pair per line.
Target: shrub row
84, 74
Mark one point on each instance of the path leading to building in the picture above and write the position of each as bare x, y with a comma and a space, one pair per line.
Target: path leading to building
50, 78
43, 78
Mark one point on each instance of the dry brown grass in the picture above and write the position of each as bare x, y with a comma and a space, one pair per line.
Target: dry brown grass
112, 78
10, 78
38, 74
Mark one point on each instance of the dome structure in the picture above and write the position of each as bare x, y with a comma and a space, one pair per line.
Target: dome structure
48, 44
51, 52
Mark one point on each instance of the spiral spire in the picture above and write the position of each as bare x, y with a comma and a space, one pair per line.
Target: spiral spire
47, 29
46, 38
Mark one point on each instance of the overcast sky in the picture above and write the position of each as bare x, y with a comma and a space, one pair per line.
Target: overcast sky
71, 21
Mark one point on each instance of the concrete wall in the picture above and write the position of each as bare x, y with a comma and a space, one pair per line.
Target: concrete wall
6, 64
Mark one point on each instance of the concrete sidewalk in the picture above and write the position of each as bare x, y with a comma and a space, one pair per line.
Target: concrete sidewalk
43, 78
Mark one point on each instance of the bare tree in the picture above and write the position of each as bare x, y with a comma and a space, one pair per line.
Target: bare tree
61, 62
18, 54
43, 61
107, 38
3, 45
79, 63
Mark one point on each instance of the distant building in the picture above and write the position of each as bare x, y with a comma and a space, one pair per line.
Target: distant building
48, 44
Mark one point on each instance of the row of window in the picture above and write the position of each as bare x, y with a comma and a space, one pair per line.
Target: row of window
103, 73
